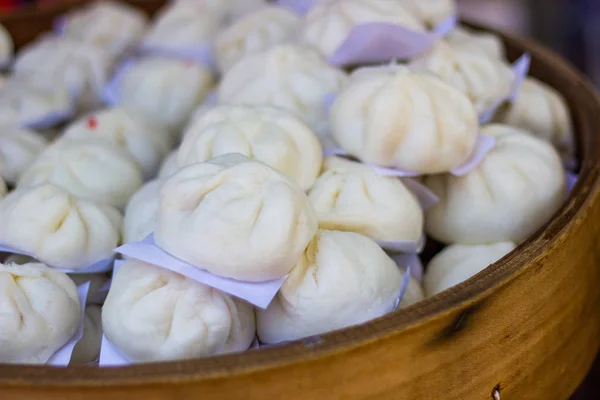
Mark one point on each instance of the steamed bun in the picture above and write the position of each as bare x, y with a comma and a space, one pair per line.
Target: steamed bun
270, 135
430, 12
114, 26
513, 192
231, 10
254, 33
18, 149
168, 166
87, 350
542, 111
40, 313
393, 117
81, 67
292, 77
147, 142
459, 262
328, 24
166, 90
141, 212
25, 104
341, 279
486, 41
58, 228
183, 25
153, 314
234, 217
466, 66
352, 197
7, 47
92, 169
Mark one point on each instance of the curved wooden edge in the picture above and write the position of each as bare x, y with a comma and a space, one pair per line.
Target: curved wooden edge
403, 352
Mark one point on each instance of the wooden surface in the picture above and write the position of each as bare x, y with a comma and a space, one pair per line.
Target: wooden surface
528, 325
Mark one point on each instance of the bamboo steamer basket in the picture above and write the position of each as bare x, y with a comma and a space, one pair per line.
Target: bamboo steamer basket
528, 327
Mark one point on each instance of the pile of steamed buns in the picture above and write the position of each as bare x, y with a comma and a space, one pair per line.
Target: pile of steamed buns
214, 141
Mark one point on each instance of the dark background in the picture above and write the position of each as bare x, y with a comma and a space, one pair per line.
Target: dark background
570, 27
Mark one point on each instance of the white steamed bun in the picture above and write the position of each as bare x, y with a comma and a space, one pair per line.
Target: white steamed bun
87, 350
466, 66
183, 25
83, 68
341, 279
146, 141
393, 117
352, 197
141, 212
328, 24
459, 262
24, 103
229, 10
92, 169
288, 76
513, 192
488, 42
114, 26
235, 217
40, 313
430, 12
168, 166
270, 135
542, 111
253, 33
165, 90
153, 314
18, 149
58, 228
7, 46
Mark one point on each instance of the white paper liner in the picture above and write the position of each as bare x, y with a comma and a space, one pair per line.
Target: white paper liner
103, 265
380, 42
111, 93
200, 54
404, 246
410, 260
572, 179
298, 6
328, 101
520, 70
259, 294
110, 356
424, 195
51, 119
59, 25
570, 162
483, 146
62, 357
403, 287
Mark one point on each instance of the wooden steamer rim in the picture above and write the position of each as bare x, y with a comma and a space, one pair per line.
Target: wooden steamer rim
502, 329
